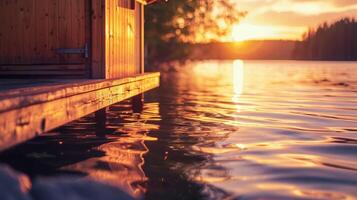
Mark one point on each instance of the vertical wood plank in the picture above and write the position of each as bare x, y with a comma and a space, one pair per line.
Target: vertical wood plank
71, 35
68, 27
11, 24
121, 45
111, 32
44, 29
110, 38
87, 35
76, 28
128, 35
107, 52
133, 39
115, 39
2, 29
98, 39
61, 21
80, 22
137, 37
125, 39
36, 36
142, 48
28, 30
53, 31
19, 31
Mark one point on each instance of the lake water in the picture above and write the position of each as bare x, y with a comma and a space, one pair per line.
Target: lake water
219, 130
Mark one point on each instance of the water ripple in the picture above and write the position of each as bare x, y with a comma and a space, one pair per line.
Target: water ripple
220, 130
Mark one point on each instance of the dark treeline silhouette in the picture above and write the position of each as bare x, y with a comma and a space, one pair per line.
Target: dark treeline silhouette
253, 49
336, 41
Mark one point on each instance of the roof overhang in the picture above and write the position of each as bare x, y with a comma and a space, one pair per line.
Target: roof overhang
150, 1
145, 2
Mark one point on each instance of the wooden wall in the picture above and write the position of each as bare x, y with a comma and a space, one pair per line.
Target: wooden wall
32, 30
120, 35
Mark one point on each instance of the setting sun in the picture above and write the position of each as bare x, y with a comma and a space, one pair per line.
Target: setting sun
241, 32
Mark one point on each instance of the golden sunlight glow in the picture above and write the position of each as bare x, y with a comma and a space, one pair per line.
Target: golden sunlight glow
310, 7
246, 31
238, 78
286, 19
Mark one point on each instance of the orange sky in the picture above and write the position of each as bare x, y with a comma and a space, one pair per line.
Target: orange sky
287, 19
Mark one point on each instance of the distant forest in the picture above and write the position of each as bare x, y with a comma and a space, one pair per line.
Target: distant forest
254, 49
336, 41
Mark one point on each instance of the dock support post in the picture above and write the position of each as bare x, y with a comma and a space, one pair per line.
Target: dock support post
101, 121
137, 103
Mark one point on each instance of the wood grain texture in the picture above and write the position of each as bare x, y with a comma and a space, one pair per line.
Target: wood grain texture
35, 111
120, 44
98, 39
32, 30
36, 28
41, 67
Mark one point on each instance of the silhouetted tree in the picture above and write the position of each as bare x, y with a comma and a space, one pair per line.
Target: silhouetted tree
336, 41
171, 24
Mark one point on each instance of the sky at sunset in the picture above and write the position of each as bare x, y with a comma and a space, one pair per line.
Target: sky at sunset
288, 19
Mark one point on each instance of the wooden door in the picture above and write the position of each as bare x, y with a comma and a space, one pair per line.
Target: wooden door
120, 40
44, 36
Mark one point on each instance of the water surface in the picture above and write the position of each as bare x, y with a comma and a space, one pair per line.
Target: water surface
216, 130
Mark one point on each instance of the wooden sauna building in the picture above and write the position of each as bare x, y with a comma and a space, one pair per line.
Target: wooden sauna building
63, 59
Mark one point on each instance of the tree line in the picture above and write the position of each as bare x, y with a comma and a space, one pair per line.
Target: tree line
336, 41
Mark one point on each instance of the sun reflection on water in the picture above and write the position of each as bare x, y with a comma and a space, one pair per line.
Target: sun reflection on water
241, 129
238, 81
265, 126
227, 130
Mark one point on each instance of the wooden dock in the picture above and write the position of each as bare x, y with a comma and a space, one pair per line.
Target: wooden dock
31, 107
60, 61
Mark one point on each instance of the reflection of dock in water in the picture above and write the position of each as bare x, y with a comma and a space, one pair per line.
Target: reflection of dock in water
113, 154
121, 165
71, 60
